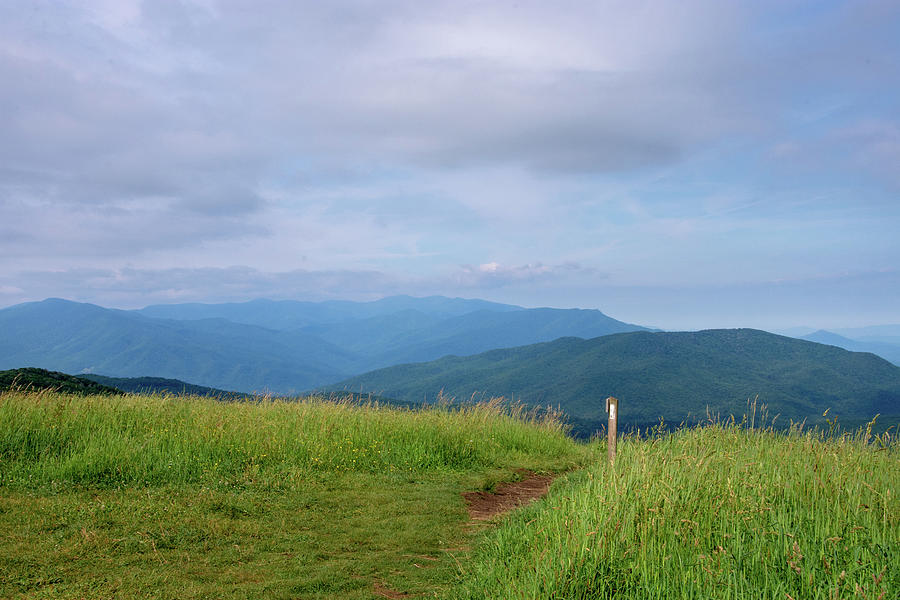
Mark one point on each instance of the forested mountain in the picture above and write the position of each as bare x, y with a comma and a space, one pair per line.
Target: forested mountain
657, 374
84, 338
33, 379
260, 346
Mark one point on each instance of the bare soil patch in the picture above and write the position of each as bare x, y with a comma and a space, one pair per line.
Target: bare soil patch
484, 506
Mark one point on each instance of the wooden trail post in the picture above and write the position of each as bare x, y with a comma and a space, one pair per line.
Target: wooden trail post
612, 407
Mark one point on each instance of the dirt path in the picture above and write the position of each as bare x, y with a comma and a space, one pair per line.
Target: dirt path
484, 506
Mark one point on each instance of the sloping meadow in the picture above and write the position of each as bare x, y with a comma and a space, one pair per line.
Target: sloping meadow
709, 512
102, 441
168, 497
115, 496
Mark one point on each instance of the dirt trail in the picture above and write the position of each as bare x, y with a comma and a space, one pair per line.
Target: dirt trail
484, 506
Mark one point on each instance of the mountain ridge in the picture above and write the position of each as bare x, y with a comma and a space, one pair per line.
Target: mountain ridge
84, 338
674, 375
34, 379
216, 352
888, 351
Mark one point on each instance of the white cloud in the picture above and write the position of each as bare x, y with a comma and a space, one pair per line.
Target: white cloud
405, 138
495, 275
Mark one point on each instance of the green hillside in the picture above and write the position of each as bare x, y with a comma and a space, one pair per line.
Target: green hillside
672, 375
149, 496
712, 513
139, 496
30, 378
161, 385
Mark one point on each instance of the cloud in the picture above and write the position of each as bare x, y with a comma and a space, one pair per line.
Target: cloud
495, 275
174, 100
384, 144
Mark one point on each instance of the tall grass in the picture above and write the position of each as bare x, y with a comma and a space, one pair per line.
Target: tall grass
709, 512
53, 439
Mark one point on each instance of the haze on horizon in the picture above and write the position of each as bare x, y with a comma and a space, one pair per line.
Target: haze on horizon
683, 165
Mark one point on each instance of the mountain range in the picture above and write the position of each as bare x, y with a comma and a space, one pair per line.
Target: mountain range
409, 350
881, 346
281, 347
679, 376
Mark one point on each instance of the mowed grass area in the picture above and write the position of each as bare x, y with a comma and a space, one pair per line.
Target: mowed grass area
709, 512
155, 497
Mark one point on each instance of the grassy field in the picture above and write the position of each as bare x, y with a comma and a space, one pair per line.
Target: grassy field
151, 497
155, 497
709, 512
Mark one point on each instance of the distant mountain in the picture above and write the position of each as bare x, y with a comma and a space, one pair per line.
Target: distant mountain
160, 385
876, 333
291, 314
84, 338
411, 336
216, 352
885, 350
795, 332
371, 335
659, 374
403, 328
41, 379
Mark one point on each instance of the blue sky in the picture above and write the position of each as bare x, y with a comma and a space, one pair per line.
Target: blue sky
677, 164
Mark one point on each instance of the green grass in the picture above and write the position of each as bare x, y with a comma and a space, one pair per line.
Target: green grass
711, 512
167, 497
50, 440
141, 496
334, 539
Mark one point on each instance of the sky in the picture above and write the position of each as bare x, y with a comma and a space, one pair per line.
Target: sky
683, 165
